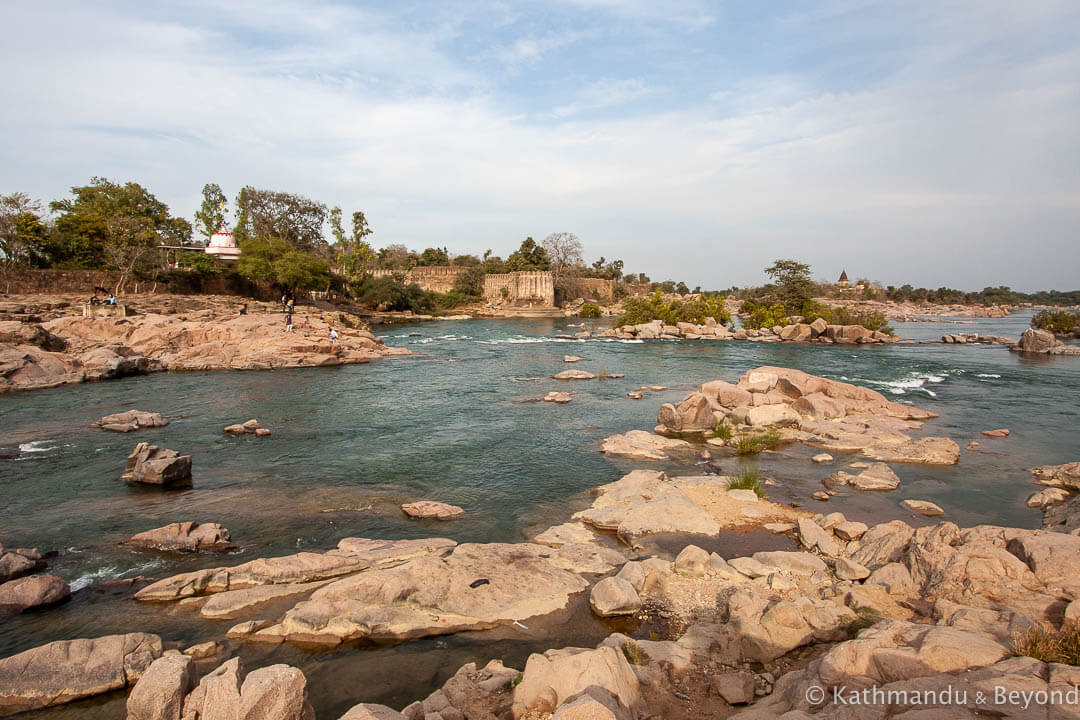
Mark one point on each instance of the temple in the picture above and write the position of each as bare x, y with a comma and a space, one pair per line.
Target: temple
223, 244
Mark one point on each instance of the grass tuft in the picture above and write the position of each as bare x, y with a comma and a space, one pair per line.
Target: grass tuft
635, 654
722, 430
749, 480
1049, 645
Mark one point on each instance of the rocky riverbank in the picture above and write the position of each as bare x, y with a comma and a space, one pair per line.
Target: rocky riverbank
818, 331
919, 312
40, 353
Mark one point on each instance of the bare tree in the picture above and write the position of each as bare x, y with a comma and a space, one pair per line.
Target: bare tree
564, 252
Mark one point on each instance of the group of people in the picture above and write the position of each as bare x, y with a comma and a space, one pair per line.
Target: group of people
288, 305
109, 299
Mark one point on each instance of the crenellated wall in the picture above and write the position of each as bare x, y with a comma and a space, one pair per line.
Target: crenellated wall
438, 278
596, 288
521, 288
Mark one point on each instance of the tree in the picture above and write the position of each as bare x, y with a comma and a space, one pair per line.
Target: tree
335, 226
794, 286
529, 256
119, 226
434, 256
276, 262
210, 216
293, 219
564, 251
22, 233
394, 257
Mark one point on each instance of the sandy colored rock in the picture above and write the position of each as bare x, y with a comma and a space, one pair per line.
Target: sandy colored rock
559, 535
643, 503
641, 445
371, 711
151, 465
33, 592
926, 451
879, 477
850, 530
814, 537
184, 537
821, 458
430, 509
557, 675
130, 420
1047, 497
573, 375
736, 688
233, 604
433, 596
634, 395
571, 358
205, 650
560, 398
1065, 476
614, 596
999, 433
923, 507
68, 670
159, 693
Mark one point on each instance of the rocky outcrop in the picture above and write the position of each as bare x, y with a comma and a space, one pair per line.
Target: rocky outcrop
1045, 342
32, 592
68, 670
277, 692
560, 398
818, 331
151, 465
641, 445
78, 349
184, 537
251, 427
159, 693
351, 556
16, 562
559, 677
130, 420
1065, 476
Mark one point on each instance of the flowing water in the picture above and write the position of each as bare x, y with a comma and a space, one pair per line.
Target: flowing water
459, 422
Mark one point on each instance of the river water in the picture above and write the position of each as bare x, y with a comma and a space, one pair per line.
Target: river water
458, 422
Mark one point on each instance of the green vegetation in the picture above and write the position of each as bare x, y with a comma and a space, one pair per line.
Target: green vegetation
755, 442
1059, 322
865, 617
637, 310
589, 310
749, 480
722, 430
635, 654
1049, 645
759, 316
871, 320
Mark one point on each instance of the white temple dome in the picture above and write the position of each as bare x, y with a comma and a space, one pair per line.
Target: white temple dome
223, 244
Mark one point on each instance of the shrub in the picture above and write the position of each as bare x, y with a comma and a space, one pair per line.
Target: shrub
758, 316
749, 480
635, 654
589, 310
864, 617
722, 430
871, 320
754, 443
698, 310
1059, 322
1049, 645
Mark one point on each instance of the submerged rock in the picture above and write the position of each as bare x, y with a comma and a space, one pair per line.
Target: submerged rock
67, 670
923, 507
151, 465
432, 509
573, 375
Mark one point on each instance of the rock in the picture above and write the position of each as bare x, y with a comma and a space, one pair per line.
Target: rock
150, 465
67, 670
883, 544
818, 327
972, 445
693, 415
779, 528
772, 415
559, 535
645, 503
692, 561
923, 507
614, 596
352, 555
582, 558
1047, 497
431, 509
14, 564
793, 563
573, 375
242, 630
131, 420
821, 495
751, 567
822, 458
184, 537
233, 604
559, 675
32, 592
633, 573
737, 688
928, 451
641, 445
894, 577
635, 395
743, 495
203, 651
262, 432
571, 358
558, 397
277, 692
879, 476
371, 711
159, 693
849, 530
585, 707
850, 570
432, 595
1065, 476
999, 433
237, 429
814, 537
1038, 341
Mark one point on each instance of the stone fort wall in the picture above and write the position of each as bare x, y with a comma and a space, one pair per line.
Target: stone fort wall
521, 288
437, 278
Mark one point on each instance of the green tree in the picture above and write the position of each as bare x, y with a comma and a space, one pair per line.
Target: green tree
210, 216
277, 263
22, 232
529, 256
117, 226
335, 226
294, 219
794, 286
433, 256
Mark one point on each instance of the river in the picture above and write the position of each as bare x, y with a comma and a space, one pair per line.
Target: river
458, 422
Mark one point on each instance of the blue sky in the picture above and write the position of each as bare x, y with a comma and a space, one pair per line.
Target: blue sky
925, 142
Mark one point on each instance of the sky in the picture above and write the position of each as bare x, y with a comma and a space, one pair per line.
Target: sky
933, 143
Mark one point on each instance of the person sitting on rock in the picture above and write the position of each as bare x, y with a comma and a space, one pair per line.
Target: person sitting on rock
111, 300
243, 309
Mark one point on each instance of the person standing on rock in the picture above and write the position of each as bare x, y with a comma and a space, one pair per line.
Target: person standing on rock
288, 323
333, 336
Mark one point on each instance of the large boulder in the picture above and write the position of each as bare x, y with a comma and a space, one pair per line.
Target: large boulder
186, 536
69, 670
431, 509
1065, 476
614, 596
693, 415
1038, 341
13, 332
476, 587
159, 693
560, 676
724, 395
32, 592
924, 451
643, 503
151, 465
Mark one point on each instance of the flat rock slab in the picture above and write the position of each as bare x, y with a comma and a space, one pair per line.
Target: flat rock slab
573, 375
476, 587
925, 451
69, 670
184, 537
430, 509
644, 503
351, 556
238, 603
641, 445
32, 592
923, 507
558, 397
559, 535
131, 420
